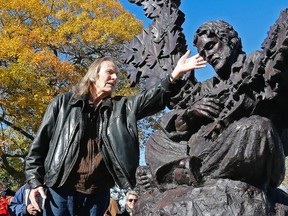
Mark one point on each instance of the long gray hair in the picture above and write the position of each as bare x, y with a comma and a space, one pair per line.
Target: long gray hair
83, 87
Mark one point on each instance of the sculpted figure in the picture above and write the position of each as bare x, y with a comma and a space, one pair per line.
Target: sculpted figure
221, 151
227, 132
217, 126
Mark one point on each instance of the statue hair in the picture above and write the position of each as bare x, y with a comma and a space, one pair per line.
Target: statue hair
221, 29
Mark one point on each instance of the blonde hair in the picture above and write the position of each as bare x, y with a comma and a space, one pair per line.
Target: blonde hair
83, 87
131, 193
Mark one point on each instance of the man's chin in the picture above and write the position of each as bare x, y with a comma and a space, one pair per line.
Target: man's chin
107, 94
219, 67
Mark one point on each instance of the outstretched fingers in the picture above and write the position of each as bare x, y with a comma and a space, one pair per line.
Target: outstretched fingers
186, 64
200, 62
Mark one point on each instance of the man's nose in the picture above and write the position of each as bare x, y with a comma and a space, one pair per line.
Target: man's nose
114, 76
208, 55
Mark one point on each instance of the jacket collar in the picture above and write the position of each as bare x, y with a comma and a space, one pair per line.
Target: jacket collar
78, 100
107, 102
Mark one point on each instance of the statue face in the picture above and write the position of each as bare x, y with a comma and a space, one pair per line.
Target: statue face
216, 53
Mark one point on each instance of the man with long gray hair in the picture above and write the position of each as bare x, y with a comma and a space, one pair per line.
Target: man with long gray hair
88, 140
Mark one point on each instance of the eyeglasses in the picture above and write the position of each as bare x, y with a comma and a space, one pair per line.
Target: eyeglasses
130, 200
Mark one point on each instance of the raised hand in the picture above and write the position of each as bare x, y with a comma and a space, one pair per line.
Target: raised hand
186, 64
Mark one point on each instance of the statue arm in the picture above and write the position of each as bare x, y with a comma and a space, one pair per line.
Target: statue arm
181, 124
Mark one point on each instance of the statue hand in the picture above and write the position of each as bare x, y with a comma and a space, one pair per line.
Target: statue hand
206, 108
144, 178
200, 113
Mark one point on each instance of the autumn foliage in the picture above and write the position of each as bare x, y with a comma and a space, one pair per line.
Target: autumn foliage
46, 46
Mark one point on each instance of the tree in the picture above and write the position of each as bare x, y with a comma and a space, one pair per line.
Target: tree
46, 46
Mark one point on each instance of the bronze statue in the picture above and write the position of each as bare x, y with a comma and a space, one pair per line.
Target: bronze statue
221, 151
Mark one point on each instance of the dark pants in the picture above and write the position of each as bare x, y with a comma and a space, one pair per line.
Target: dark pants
63, 201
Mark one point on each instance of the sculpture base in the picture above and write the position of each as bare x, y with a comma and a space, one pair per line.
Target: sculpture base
216, 197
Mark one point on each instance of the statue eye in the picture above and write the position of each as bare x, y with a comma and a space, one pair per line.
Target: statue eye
209, 45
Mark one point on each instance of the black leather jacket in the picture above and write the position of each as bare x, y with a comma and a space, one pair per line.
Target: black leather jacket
55, 148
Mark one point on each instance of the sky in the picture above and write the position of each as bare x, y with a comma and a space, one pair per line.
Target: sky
250, 18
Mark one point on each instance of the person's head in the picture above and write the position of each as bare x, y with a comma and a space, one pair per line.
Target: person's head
131, 199
101, 78
218, 43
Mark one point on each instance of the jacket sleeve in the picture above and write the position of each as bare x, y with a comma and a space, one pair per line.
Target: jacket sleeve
156, 98
36, 157
17, 206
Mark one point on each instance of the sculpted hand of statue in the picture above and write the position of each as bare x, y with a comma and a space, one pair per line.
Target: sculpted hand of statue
206, 108
144, 178
200, 113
